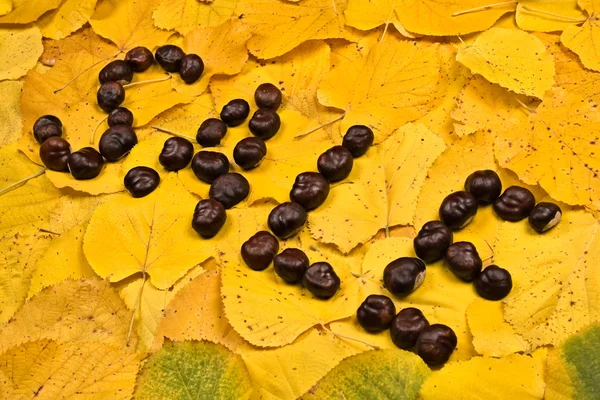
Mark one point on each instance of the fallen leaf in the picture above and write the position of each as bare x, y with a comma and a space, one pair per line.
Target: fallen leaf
23, 12
531, 15
67, 18
20, 50
11, 125
185, 15
366, 15
72, 210
584, 39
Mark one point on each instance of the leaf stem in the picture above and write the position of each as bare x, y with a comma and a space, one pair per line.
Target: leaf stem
525, 106
482, 8
60, 89
334, 7
320, 126
158, 128
351, 338
137, 304
148, 81
533, 10
96, 128
21, 182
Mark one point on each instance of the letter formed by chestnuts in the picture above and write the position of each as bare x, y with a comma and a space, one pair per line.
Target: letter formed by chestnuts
209, 165
485, 185
176, 154
235, 112
209, 217
141, 181
211, 132
436, 343
407, 326
514, 204
47, 126
493, 283
259, 251
376, 313
249, 152
335, 164
545, 216
404, 275
229, 189
265, 123
54, 153
358, 139
291, 264
267, 95
432, 241
287, 219
458, 209
310, 190
464, 261
321, 280
85, 163
117, 142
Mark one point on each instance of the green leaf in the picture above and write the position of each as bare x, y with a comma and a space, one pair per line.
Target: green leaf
581, 357
193, 370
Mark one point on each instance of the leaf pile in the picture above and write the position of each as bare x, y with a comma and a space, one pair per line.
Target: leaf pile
106, 296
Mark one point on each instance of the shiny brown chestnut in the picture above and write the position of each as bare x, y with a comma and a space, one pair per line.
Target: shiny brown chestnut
258, 251
458, 209
432, 241
358, 139
291, 264
376, 313
265, 123
47, 126
287, 219
176, 154
116, 71
493, 283
485, 185
335, 164
54, 153
110, 96
229, 189
116, 142
267, 95
310, 190
120, 116
463, 260
209, 165
141, 181
209, 217
403, 275
191, 68
249, 152
545, 216
139, 59
85, 163
436, 343
407, 326
169, 57
514, 204
235, 112
321, 280
211, 132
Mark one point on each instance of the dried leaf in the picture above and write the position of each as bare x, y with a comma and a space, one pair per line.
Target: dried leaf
185, 15
20, 49
11, 125
584, 39
67, 18
529, 17
23, 12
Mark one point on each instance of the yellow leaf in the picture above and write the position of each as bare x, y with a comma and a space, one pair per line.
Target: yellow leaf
513, 59
492, 336
11, 125
531, 15
584, 40
75, 209
186, 118
366, 15
279, 26
383, 191
152, 235
512, 377
67, 18
49, 370
185, 15
128, 23
558, 383
61, 260
555, 277
6, 6
397, 82
23, 12
20, 49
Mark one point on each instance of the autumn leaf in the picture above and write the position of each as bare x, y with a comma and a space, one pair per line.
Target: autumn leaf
66, 19
547, 15
22, 11
75, 209
185, 15
10, 127
365, 15
584, 39
20, 50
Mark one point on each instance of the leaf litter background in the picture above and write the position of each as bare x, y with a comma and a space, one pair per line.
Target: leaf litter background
512, 87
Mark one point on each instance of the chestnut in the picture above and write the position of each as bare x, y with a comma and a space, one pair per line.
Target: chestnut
229, 189
458, 209
209, 217
335, 164
485, 185
436, 343
191, 68
287, 219
176, 154
321, 280
432, 241
235, 112
463, 260
404, 275
209, 165
169, 57
358, 139
116, 71
110, 96
407, 326
493, 283
291, 264
139, 59
86, 163
545, 216
141, 181
376, 313
258, 251
265, 123
310, 190
514, 204
47, 126
249, 152
267, 95
120, 116
211, 132
116, 142
54, 153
